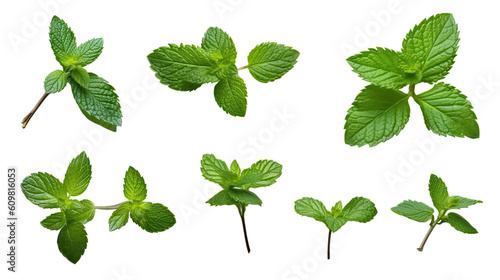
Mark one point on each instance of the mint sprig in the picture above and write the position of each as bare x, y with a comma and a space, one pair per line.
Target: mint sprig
48, 192
236, 183
359, 209
95, 97
382, 110
443, 202
188, 67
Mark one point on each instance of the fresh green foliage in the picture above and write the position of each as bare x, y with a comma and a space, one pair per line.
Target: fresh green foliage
94, 95
236, 183
46, 191
270, 61
359, 209
414, 210
188, 67
459, 223
443, 202
72, 241
55, 81
381, 110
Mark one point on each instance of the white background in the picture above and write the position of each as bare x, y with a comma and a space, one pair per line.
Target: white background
165, 133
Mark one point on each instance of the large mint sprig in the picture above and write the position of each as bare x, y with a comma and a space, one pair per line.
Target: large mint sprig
95, 97
443, 202
46, 191
381, 110
188, 67
236, 183
359, 209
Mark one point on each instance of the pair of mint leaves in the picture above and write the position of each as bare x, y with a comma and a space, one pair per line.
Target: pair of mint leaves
382, 110
188, 67
48, 192
443, 202
362, 210
236, 183
359, 209
184, 68
95, 97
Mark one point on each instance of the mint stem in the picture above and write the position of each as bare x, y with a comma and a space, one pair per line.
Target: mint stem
243, 67
241, 210
433, 225
32, 112
411, 90
110, 207
329, 239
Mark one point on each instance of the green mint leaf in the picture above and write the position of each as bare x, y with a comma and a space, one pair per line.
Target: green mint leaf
72, 241
159, 218
44, 190
420, 212
216, 171
119, 217
152, 217
438, 192
226, 71
222, 198
244, 196
310, 207
80, 211
359, 209
89, 51
414, 210
216, 40
410, 67
55, 81
98, 102
334, 223
268, 62
55, 221
81, 76
222, 50
337, 209
460, 224
184, 67
263, 173
377, 115
62, 41
78, 175
235, 168
457, 202
427, 56
448, 112
379, 66
230, 94
435, 42
134, 186
137, 212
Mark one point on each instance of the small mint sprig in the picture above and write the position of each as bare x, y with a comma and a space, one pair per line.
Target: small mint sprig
95, 97
188, 67
382, 110
47, 191
421, 212
236, 183
359, 209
